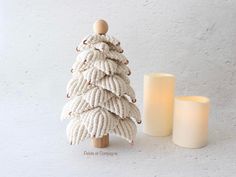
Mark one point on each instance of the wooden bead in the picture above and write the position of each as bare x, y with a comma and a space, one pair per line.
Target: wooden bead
100, 27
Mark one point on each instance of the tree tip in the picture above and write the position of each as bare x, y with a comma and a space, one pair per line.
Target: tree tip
100, 27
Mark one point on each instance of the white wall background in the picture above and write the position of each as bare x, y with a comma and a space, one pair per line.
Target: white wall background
193, 39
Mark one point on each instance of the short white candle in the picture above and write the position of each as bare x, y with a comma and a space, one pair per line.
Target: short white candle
158, 103
190, 127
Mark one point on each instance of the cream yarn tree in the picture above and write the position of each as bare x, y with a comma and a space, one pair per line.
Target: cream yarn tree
101, 100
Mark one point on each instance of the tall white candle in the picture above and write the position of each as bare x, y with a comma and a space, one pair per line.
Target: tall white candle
190, 127
158, 103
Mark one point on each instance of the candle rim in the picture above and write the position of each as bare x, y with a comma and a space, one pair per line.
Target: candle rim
159, 74
193, 99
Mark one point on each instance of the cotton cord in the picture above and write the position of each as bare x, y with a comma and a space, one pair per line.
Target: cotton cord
101, 100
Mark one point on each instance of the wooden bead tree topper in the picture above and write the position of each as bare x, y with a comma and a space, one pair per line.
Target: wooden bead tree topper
100, 27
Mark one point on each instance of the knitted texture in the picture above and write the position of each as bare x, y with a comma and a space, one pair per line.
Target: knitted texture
101, 100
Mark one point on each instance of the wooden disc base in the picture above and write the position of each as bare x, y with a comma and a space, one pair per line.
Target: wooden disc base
101, 142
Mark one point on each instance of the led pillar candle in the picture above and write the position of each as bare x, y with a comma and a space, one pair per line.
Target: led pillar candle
158, 103
190, 127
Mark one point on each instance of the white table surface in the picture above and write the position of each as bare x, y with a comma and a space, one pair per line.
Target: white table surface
33, 143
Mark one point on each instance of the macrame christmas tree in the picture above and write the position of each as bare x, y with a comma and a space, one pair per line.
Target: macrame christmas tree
101, 100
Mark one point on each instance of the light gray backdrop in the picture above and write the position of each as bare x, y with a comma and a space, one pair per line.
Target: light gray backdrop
193, 39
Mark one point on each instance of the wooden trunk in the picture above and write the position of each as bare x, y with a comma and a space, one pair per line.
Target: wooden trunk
101, 142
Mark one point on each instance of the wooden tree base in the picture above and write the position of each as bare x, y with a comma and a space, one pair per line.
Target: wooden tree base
101, 142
